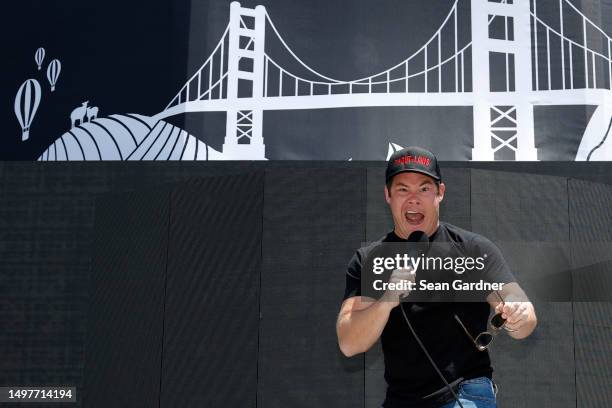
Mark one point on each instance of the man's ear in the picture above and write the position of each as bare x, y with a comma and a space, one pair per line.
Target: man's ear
441, 190
387, 196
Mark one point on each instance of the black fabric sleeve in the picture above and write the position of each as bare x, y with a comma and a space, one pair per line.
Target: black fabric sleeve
495, 267
353, 277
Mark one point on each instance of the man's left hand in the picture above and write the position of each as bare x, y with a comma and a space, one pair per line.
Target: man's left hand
516, 308
515, 313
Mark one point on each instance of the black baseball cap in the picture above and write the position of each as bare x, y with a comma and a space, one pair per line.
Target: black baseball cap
413, 159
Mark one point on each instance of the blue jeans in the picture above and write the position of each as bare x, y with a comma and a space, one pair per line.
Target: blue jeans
475, 393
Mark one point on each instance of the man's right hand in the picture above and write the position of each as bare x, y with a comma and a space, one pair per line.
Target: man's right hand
360, 323
394, 296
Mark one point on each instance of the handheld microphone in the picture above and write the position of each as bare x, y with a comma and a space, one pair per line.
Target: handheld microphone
417, 244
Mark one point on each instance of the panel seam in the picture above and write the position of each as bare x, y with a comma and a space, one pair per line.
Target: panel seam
161, 360
261, 263
569, 236
365, 238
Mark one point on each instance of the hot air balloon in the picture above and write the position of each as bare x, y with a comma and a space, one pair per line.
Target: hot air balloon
39, 56
26, 104
53, 71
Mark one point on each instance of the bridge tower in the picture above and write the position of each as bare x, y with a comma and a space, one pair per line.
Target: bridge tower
245, 65
503, 114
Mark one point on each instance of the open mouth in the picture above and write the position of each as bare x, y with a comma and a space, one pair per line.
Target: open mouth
413, 217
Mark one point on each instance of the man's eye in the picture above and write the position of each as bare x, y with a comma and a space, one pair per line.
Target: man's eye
425, 189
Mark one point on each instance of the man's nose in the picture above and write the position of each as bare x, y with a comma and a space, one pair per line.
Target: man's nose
413, 198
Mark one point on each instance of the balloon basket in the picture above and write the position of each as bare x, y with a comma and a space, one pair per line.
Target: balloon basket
25, 135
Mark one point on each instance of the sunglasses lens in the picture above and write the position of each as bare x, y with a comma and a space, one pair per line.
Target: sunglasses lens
484, 339
498, 321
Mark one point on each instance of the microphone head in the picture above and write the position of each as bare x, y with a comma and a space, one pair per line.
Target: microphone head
418, 236
421, 241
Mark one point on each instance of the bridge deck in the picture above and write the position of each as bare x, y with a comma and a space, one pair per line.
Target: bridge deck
555, 97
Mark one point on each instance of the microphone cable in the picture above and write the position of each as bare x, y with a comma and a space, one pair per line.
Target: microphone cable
429, 357
419, 237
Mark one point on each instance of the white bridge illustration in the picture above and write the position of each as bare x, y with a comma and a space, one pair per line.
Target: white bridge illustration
240, 78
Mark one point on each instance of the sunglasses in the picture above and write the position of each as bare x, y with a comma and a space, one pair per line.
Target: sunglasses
484, 339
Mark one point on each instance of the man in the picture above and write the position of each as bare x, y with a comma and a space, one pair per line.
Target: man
448, 331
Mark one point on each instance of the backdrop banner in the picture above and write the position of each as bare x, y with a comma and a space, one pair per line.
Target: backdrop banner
477, 80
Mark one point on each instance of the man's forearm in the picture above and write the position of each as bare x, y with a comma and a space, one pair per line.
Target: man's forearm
358, 330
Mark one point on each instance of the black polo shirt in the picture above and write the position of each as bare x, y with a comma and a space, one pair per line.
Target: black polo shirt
411, 380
